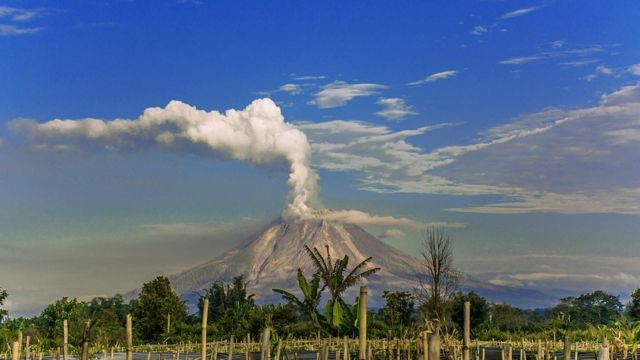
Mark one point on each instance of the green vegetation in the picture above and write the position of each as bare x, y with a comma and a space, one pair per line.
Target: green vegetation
160, 316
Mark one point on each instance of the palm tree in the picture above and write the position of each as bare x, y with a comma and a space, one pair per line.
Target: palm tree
333, 276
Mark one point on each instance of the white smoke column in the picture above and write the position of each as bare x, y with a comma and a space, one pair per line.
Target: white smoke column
258, 135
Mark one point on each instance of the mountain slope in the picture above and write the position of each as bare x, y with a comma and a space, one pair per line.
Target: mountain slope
273, 257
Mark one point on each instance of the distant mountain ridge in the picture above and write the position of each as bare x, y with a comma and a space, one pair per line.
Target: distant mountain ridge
271, 258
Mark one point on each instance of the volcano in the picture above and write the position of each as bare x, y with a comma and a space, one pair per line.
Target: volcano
271, 258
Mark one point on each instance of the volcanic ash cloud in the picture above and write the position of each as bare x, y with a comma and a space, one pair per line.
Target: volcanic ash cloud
257, 135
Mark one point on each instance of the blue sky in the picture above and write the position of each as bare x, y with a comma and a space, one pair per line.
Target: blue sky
514, 124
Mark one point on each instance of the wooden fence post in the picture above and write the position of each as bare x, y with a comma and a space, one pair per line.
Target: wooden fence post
265, 353
27, 353
603, 352
425, 346
129, 338
15, 351
345, 349
205, 315
434, 347
567, 349
65, 340
85, 340
467, 330
362, 351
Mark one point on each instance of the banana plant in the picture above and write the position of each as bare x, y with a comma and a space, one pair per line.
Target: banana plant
311, 292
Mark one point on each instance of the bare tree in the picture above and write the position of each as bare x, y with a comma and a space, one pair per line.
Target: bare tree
438, 278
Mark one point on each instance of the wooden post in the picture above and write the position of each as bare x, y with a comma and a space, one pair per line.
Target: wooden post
27, 353
230, 356
205, 315
434, 347
111, 357
85, 340
467, 331
362, 351
65, 340
567, 349
15, 351
345, 349
603, 352
129, 338
265, 353
425, 347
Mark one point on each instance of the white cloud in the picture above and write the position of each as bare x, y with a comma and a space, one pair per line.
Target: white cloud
293, 89
634, 69
579, 62
18, 14
479, 30
257, 134
394, 108
391, 234
11, 30
435, 77
601, 69
309, 77
566, 161
572, 273
338, 93
363, 218
557, 44
546, 55
518, 12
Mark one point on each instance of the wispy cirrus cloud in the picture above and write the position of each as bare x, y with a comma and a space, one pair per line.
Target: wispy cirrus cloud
338, 93
573, 274
12, 30
394, 108
564, 161
435, 77
20, 14
479, 30
518, 12
309, 77
546, 55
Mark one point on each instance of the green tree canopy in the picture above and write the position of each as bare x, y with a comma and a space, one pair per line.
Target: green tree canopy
3, 297
633, 308
596, 308
398, 311
479, 309
229, 306
150, 309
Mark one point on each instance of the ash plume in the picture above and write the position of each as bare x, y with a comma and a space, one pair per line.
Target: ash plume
257, 134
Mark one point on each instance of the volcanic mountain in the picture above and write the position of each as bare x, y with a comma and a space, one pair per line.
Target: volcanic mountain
270, 260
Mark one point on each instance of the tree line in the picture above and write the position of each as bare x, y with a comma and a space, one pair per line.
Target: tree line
161, 316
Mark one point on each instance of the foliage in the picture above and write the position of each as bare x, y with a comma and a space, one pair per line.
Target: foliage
398, 313
633, 309
335, 281
3, 297
596, 308
229, 307
150, 310
479, 310
311, 292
